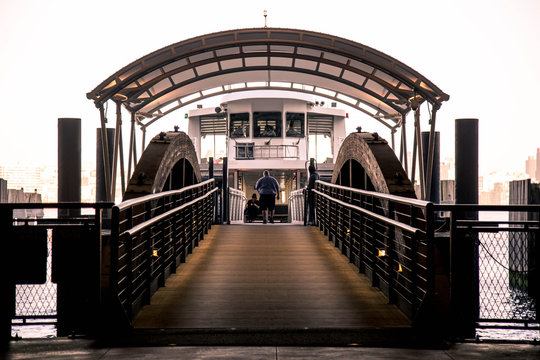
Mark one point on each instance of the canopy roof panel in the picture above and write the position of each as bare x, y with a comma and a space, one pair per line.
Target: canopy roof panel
267, 58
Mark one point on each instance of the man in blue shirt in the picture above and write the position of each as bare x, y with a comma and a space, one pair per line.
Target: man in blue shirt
268, 188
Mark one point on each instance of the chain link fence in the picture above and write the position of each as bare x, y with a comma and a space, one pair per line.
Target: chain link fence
506, 284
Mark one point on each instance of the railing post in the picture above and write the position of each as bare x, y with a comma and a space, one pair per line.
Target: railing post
393, 263
305, 206
536, 272
464, 295
129, 276
430, 243
8, 304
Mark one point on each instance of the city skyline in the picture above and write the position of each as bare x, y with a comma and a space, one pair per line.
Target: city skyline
484, 54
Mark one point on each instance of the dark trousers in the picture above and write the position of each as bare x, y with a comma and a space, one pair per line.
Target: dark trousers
311, 207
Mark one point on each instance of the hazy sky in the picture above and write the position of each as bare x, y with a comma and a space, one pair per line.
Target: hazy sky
484, 54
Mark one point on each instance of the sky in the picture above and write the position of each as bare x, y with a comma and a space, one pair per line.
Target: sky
485, 54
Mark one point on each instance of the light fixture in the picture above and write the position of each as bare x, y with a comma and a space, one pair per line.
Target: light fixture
382, 253
415, 101
119, 97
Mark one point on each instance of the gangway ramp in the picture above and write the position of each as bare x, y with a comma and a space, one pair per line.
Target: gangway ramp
272, 279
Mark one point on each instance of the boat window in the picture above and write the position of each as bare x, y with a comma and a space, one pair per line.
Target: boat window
239, 125
295, 124
267, 124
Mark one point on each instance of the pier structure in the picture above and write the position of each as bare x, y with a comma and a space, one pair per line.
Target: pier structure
379, 266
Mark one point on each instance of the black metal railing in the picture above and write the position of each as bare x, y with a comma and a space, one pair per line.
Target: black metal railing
385, 236
44, 268
151, 236
502, 259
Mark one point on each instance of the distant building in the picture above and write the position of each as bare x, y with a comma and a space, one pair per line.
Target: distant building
3, 191
448, 191
25, 177
530, 167
19, 196
537, 170
521, 246
445, 170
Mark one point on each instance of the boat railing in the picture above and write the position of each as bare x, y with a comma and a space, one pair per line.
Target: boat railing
237, 204
297, 205
250, 151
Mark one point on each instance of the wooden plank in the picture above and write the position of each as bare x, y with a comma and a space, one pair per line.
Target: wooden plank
268, 276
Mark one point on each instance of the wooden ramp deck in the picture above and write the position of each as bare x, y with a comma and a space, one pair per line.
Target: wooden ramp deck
268, 277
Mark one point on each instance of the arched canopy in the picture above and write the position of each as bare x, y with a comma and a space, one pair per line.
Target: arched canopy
267, 58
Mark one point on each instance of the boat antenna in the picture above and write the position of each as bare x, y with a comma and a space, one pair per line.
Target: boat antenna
265, 15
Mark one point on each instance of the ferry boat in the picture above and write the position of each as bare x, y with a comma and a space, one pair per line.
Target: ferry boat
279, 131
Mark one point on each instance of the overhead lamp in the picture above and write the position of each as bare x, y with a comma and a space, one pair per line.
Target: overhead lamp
382, 253
415, 101
119, 97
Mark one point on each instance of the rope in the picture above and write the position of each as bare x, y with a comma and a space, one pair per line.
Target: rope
497, 261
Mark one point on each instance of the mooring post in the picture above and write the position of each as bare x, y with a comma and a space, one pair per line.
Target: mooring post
69, 164
463, 242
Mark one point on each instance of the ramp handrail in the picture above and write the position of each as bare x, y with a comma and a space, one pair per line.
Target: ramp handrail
237, 203
387, 237
151, 236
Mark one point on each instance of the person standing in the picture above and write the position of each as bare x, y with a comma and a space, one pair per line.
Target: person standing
268, 188
313, 176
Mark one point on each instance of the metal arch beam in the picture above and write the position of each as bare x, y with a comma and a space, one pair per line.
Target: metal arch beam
355, 106
401, 94
379, 162
223, 79
157, 161
245, 40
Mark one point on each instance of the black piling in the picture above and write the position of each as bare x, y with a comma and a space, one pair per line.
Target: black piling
69, 163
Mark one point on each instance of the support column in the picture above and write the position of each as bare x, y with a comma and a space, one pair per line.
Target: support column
404, 160
105, 152
116, 147
419, 152
131, 158
433, 188
210, 168
431, 162
101, 188
69, 163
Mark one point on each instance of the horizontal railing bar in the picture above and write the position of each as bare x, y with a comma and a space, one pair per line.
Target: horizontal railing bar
140, 200
395, 198
475, 207
60, 205
395, 223
516, 321
158, 218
